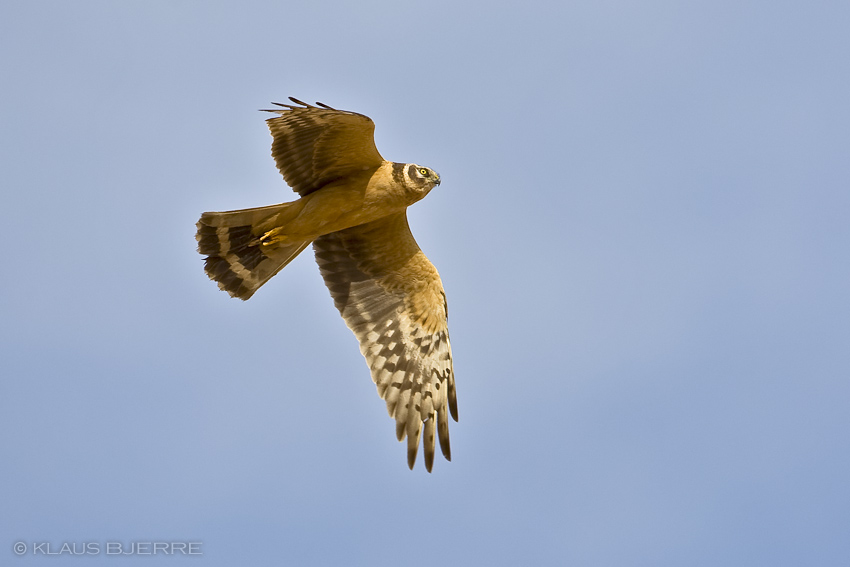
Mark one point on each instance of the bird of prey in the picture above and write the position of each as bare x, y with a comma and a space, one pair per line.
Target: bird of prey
352, 208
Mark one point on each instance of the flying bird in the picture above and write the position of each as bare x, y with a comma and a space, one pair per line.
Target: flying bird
353, 209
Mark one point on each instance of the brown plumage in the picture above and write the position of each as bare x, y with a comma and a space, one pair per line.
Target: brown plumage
352, 208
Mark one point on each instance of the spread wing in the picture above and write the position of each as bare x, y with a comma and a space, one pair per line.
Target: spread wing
314, 145
392, 298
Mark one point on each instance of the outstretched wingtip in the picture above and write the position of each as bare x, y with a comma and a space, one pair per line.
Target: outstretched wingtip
452, 400
429, 438
278, 110
443, 434
411, 451
413, 443
301, 105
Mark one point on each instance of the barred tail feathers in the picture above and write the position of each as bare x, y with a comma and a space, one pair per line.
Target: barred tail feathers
235, 257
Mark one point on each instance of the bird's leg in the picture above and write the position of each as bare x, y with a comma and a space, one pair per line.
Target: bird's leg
274, 236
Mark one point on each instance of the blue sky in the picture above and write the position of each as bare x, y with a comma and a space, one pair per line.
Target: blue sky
642, 231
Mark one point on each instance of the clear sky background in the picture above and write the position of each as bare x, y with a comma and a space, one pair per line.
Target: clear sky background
642, 230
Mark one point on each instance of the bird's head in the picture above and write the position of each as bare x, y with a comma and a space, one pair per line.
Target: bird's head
418, 179
425, 175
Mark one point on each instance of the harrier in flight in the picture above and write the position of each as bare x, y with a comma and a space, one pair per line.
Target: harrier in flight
353, 209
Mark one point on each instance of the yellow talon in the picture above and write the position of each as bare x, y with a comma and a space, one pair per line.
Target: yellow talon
272, 237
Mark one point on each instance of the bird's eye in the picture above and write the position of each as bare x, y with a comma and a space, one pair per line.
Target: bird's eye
423, 172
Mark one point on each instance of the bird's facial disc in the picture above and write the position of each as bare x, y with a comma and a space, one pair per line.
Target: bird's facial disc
423, 175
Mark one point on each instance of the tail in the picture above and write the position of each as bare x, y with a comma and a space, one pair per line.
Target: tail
236, 258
